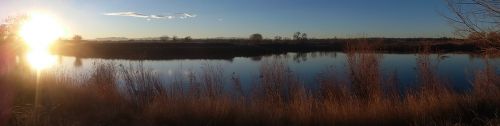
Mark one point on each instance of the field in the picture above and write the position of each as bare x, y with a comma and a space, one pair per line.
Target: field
249, 62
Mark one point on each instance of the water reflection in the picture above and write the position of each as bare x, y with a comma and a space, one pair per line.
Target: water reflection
454, 68
40, 59
78, 62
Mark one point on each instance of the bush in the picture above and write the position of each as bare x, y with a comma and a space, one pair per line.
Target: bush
256, 37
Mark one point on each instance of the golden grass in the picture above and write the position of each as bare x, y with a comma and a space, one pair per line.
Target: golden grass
365, 97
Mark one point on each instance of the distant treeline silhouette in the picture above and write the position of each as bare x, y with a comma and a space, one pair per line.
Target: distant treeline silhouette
230, 48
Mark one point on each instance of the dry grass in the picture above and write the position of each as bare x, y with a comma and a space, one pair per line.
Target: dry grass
365, 97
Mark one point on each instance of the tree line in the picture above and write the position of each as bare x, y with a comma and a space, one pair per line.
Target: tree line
296, 36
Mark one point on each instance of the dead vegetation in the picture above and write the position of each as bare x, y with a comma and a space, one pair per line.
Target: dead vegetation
132, 95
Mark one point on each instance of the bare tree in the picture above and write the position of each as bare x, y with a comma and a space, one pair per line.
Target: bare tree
296, 36
476, 19
304, 36
300, 36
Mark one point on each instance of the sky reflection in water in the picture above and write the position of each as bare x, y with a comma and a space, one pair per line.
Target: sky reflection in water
457, 69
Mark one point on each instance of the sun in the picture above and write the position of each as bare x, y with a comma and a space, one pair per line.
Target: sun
40, 30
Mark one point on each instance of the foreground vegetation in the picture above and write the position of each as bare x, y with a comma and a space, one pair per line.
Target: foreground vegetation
132, 95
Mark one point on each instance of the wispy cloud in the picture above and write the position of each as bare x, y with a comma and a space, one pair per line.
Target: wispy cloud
185, 15
152, 16
128, 14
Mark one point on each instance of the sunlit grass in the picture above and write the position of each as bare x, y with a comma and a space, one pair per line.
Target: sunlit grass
277, 98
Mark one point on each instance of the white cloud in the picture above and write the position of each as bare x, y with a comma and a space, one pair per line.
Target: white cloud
128, 14
185, 15
153, 16
157, 16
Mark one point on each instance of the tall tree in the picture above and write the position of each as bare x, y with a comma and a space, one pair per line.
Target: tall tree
477, 19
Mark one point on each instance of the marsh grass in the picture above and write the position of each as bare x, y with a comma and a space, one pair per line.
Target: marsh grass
114, 94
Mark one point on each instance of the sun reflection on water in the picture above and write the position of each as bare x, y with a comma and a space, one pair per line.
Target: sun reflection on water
40, 59
39, 32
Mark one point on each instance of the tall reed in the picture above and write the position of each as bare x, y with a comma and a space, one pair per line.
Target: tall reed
112, 94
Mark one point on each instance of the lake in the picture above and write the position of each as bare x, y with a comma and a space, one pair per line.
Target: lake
455, 69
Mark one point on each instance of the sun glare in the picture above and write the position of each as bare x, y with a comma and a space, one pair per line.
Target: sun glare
39, 32
40, 59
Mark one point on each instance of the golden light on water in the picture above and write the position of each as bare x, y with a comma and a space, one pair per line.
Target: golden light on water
39, 32
40, 60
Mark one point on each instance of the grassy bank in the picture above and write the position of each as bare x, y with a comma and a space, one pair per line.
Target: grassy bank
364, 97
228, 49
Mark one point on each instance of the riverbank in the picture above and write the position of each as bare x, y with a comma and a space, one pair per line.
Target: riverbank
121, 94
228, 49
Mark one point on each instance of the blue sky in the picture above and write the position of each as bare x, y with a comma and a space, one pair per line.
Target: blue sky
240, 18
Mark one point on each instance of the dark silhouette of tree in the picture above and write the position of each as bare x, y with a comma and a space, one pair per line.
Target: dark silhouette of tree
256, 37
164, 38
296, 36
278, 38
304, 36
477, 19
77, 38
187, 38
175, 38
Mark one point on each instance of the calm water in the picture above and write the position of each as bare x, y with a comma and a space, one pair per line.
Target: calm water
457, 69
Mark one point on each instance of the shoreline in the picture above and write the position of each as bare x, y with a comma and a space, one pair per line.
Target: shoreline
226, 49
